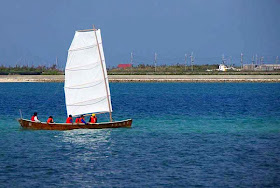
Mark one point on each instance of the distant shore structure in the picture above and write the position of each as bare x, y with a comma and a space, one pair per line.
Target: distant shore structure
162, 64
224, 68
263, 67
123, 66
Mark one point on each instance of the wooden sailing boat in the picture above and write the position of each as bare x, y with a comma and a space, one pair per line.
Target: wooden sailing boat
86, 85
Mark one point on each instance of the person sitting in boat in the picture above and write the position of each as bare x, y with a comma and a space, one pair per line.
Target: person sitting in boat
50, 120
77, 120
35, 118
93, 119
82, 119
69, 119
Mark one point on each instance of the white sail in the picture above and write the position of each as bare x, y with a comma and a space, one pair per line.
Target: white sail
86, 90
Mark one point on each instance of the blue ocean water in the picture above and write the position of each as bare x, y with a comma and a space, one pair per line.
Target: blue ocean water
183, 135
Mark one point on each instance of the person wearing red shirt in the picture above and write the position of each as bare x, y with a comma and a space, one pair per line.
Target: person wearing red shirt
77, 120
69, 119
35, 118
82, 120
50, 120
93, 119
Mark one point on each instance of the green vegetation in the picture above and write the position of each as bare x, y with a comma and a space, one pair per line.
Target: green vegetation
180, 69
25, 70
141, 69
163, 69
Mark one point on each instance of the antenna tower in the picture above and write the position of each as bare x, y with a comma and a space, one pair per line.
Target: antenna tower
56, 62
241, 60
131, 61
230, 62
186, 55
155, 62
223, 59
262, 58
192, 61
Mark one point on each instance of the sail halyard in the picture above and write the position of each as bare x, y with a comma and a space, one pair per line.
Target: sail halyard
86, 84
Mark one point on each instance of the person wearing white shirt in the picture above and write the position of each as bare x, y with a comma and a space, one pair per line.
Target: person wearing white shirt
35, 118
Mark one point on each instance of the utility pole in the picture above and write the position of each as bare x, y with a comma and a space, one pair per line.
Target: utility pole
230, 62
56, 62
131, 61
155, 61
241, 61
223, 59
192, 61
186, 55
262, 58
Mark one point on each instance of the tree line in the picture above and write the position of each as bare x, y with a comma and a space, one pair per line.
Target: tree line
30, 70
141, 69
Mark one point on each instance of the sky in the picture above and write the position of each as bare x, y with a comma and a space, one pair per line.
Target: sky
35, 32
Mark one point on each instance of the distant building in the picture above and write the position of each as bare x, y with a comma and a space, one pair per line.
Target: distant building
222, 67
249, 67
269, 67
123, 66
263, 67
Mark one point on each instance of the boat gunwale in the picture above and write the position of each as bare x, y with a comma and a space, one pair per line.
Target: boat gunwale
19, 119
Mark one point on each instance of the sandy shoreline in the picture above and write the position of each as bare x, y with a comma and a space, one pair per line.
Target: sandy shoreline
150, 78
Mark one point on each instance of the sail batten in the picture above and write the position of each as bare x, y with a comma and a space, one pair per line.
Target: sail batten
86, 81
84, 67
85, 47
88, 102
90, 84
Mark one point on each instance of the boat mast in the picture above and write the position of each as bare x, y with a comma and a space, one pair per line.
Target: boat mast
109, 104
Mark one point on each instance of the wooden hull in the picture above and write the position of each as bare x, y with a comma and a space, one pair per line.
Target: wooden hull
69, 126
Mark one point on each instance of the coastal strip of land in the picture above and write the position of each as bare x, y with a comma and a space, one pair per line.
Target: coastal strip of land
150, 78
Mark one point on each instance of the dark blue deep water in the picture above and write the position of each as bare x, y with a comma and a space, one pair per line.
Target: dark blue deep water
183, 135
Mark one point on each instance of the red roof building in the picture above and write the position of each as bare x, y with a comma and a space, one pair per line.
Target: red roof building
123, 66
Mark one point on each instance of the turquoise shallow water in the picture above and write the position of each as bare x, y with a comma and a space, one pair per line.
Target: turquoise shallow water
184, 134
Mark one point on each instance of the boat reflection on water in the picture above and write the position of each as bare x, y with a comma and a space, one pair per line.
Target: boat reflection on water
86, 144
